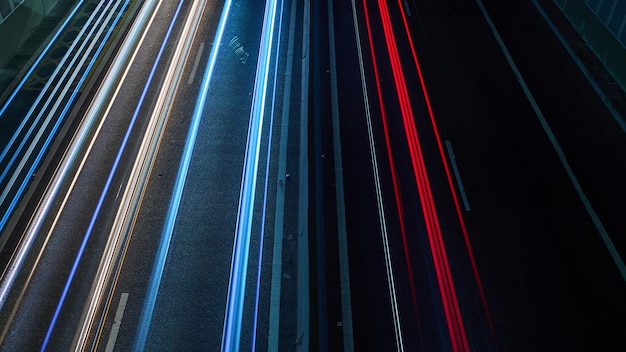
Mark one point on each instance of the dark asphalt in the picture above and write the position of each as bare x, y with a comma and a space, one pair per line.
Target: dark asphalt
549, 280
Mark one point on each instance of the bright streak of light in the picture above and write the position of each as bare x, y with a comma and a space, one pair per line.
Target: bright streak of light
42, 149
239, 266
381, 210
446, 285
109, 85
394, 176
40, 57
265, 186
179, 184
108, 183
455, 197
53, 77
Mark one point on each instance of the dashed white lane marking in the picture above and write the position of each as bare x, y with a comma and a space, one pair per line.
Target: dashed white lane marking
457, 175
196, 63
119, 314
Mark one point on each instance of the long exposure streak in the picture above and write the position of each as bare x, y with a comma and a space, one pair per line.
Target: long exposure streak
107, 185
179, 185
239, 266
442, 268
266, 185
394, 176
381, 209
455, 197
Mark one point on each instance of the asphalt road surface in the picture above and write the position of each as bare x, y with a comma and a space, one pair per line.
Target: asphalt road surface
423, 175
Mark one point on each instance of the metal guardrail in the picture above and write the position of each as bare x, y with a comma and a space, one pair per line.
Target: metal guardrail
7, 7
613, 14
601, 23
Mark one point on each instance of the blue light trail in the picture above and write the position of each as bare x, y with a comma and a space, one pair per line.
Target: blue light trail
239, 266
44, 148
40, 57
265, 185
108, 182
179, 186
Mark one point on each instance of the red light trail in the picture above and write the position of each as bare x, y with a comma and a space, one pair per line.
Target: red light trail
446, 286
455, 197
394, 176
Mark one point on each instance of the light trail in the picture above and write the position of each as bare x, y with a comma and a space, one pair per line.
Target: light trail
40, 57
89, 29
42, 149
120, 235
266, 184
109, 180
239, 266
468, 246
105, 94
391, 285
277, 251
444, 277
394, 175
179, 185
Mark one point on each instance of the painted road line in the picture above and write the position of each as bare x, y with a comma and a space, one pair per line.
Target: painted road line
277, 253
342, 233
179, 185
119, 314
196, 63
303, 313
457, 175
604, 235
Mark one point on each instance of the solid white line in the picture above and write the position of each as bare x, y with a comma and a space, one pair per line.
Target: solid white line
342, 235
115, 329
457, 175
382, 218
303, 314
407, 9
196, 63
277, 255
118, 191
619, 262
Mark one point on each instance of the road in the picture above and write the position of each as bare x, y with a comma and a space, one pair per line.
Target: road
336, 175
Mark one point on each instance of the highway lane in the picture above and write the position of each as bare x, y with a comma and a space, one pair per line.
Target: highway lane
543, 266
401, 256
177, 283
